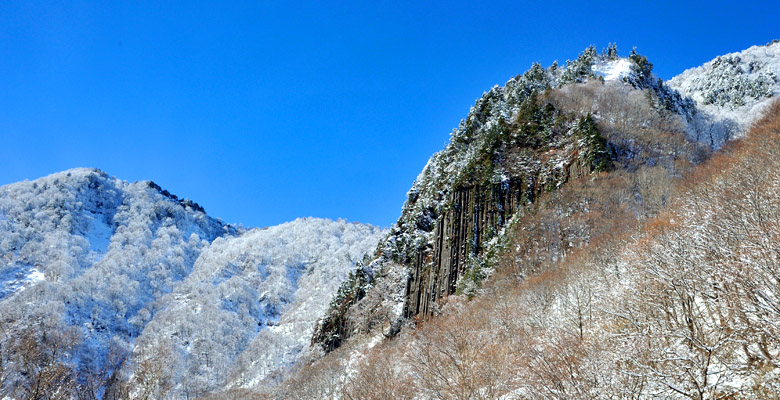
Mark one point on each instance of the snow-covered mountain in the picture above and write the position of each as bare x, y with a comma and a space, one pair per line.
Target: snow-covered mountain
731, 92
519, 141
129, 265
247, 310
543, 186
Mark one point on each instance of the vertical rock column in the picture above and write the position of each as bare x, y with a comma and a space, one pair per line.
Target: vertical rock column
459, 233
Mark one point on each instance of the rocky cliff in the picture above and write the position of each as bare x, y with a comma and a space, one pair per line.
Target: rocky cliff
514, 146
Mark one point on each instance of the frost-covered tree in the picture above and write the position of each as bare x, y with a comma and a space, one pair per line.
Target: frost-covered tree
121, 264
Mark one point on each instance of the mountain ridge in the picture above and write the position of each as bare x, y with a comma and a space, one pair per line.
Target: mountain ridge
119, 264
513, 147
731, 92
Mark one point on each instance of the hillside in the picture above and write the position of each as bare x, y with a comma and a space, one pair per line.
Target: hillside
520, 269
680, 305
134, 277
731, 92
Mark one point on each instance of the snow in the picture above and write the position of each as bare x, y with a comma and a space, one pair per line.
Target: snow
612, 70
128, 265
99, 234
733, 90
305, 262
35, 276
14, 279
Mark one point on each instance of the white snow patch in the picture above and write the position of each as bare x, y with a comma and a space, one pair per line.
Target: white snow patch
16, 279
612, 70
35, 276
99, 234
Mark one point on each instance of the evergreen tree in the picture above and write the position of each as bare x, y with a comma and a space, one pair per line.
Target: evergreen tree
612, 53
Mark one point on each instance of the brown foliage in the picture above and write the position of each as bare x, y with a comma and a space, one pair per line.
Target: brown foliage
41, 357
379, 375
453, 357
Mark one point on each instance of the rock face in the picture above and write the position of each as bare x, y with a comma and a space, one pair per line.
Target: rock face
470, 227
512, 147
459, 234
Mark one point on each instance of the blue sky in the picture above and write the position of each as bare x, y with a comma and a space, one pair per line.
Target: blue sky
267, 111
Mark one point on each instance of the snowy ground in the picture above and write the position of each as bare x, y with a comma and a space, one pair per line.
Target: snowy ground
612, 70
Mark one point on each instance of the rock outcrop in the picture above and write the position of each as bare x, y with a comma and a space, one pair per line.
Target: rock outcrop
512, 147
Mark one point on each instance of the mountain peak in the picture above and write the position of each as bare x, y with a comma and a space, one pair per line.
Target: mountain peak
731, 91
117, 263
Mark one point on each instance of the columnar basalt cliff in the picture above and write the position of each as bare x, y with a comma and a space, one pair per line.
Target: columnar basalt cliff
457, 236
513, 146
470, 225
517, 143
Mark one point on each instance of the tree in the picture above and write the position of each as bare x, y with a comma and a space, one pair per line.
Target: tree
42, 361
380, 375
153, 368
455, 358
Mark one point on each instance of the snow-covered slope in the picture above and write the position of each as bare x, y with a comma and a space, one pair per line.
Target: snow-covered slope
612, 69
129, 264
731, 92
251, 301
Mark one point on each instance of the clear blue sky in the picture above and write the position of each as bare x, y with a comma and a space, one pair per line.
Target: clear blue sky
267, 111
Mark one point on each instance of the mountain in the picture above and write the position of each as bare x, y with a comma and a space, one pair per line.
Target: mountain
134, 274
731, 92
520, 265
591, 301
519, 142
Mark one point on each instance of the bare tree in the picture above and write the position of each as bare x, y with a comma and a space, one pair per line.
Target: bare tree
152, 374
323, 379
42, 358
454, 358
380, 375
